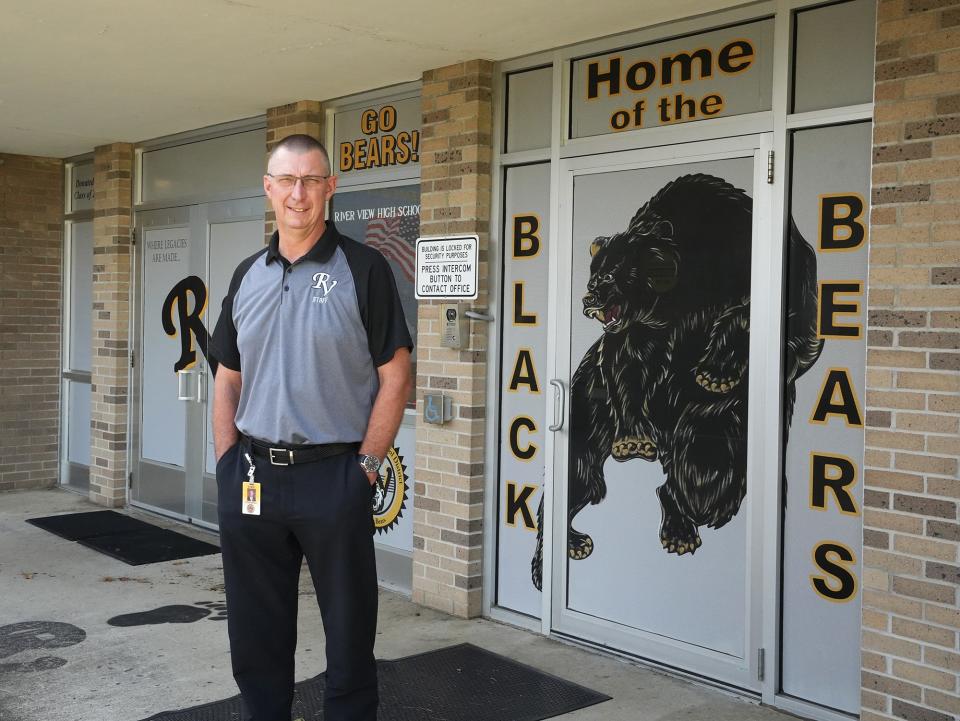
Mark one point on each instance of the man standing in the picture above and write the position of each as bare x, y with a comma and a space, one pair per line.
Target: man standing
314, 374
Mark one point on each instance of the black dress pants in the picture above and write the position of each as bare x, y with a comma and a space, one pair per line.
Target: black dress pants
321, 511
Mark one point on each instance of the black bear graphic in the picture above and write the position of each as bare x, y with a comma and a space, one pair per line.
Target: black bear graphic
667, 379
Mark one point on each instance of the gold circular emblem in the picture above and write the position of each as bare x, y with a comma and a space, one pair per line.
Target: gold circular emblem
390, 496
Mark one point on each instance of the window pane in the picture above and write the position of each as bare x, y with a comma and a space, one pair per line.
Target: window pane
387, 219
826, 261
80, 187
529, 101
81, 294
714, 74
78, 426
230, 163
834, 56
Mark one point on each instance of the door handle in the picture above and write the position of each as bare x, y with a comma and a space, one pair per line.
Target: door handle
183, 385
560, 398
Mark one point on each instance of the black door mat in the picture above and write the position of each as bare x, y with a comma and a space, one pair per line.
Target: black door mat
127, 539
458, 683
74, 526
149, 545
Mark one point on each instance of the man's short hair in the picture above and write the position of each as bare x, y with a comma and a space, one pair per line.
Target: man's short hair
301, 144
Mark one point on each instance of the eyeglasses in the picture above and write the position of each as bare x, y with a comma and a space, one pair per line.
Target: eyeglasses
288, 181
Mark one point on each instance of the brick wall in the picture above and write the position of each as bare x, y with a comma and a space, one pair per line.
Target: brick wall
455, 152
110, 359
911, 489
302, 117
31, 243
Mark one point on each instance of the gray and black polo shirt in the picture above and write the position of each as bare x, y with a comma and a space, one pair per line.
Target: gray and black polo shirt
308, 337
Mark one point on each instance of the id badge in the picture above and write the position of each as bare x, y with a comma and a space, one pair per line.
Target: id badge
251, 498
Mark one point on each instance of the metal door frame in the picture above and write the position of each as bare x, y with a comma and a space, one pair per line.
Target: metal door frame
178, 217
198, 219
764, 358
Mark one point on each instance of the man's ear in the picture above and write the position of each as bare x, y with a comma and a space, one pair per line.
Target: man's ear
266, 185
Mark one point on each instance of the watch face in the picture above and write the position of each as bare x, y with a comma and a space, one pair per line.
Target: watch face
371, 464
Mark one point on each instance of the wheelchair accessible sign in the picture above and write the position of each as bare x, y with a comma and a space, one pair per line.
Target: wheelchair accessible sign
447, 267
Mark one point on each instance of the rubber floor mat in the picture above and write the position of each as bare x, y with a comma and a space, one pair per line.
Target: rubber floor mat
74, 526
127, 539
457, 683
149, 545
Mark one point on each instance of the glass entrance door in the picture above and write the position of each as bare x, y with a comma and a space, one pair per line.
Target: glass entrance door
656, 540
185, 259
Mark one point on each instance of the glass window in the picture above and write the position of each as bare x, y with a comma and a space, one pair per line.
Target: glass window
81, 294
79, 187
210, 167
714, 74
529, 104
388, 219
76, 392
833, 58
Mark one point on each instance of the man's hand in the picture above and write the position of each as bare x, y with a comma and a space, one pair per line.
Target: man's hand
226, 399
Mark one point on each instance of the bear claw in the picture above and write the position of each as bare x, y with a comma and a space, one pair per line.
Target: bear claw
673, 545
630, 447
580, 545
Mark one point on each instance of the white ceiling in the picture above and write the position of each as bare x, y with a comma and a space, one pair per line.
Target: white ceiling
79, 73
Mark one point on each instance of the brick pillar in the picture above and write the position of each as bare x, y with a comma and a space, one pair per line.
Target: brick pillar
112, 219
302, 117
31, 243
455, 155
910, 537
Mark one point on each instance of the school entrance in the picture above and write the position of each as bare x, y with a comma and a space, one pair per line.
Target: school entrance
185, 258
681, 359
657, 419
657, 443
199, 213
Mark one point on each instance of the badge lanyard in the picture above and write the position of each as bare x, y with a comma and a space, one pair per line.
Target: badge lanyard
250, 502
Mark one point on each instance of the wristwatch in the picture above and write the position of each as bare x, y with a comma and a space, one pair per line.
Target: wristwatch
370, 464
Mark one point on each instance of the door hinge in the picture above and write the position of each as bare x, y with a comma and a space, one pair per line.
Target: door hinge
761, 662
770, 167
132, 359
133, 236
130, 479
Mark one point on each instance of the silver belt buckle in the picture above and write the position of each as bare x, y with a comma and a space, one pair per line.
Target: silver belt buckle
281, 457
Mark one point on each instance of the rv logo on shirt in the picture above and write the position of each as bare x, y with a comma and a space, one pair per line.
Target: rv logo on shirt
321, 281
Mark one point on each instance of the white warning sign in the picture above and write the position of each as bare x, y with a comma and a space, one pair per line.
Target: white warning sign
447, 267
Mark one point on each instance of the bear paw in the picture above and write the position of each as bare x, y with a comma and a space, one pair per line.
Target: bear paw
579, 545
679, 535
680, 546
624, 449
714, 383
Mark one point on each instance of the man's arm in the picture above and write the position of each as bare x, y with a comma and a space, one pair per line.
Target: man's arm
226, 399
395, 383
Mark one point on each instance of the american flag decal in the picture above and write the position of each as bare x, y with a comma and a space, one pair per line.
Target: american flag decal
396, 238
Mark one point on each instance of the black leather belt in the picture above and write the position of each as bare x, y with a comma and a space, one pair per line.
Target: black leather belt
290, 456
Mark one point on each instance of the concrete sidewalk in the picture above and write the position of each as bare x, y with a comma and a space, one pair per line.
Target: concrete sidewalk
93, 671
